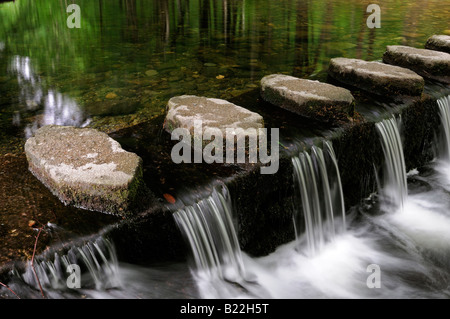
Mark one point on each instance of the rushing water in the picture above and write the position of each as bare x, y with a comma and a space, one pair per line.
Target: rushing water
98, 269
444, 147
209, 230
395, 188
409, 243
318, 182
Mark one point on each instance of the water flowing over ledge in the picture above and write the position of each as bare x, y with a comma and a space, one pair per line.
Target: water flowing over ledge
209, 229
319, 184
394, 189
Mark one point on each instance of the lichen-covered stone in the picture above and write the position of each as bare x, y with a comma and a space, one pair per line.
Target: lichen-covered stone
377, 78
308, 98
439, 43
184, 111
428, 63
85, 168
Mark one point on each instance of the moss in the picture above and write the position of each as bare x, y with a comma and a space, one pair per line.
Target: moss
436, 71
392, 89
336, 114
111, 200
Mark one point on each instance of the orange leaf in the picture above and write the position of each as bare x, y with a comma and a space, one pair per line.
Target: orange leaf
169, 198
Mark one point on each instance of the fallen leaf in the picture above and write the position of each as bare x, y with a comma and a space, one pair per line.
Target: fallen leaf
169, 198
31, 223
220, 77
111, 95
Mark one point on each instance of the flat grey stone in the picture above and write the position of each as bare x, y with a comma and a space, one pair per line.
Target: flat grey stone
438, 43
308, 98
428, 63
85, 168
377, 78
183, 111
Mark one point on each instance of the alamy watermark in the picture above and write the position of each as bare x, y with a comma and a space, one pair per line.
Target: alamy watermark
74, 20
74, 279
374, 19
238, 146
374, 279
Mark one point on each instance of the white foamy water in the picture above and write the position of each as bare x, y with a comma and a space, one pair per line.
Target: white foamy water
411, 246
340, 270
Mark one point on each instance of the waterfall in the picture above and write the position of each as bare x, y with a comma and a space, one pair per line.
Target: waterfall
208, 228
395, 188
319, 185
97, 260
444, 142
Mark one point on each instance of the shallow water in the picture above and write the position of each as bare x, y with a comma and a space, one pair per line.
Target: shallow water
130, 56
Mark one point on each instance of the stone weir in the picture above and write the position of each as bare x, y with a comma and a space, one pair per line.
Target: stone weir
263, 202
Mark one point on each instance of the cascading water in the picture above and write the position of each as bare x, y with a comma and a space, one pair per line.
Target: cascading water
319, 185
97, 261
395, 189
444, 142
208, 228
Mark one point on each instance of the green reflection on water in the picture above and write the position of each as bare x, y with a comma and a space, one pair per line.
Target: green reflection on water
131, 56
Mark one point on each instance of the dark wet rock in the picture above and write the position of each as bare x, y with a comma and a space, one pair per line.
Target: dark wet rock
428, 63
439, 43
313, 99
85, 168
377, 78
183, 111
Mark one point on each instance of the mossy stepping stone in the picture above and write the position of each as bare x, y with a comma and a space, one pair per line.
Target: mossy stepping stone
85, 168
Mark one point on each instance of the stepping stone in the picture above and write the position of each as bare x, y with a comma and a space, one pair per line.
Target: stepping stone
376, 77
430, 64
439, 43
184, 111
85, 168
308, 98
